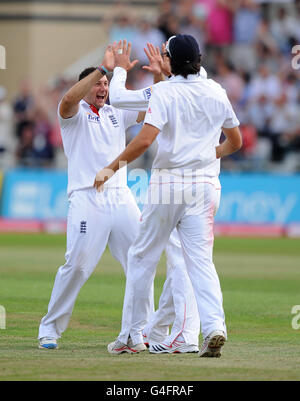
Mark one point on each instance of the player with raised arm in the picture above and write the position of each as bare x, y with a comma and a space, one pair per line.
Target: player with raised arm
177, 304
93, 135
187, 115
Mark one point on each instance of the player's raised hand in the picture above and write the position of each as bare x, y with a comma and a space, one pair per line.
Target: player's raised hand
109, 58
155, 60
122, 52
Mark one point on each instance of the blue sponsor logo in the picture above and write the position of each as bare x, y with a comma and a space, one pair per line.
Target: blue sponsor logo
93, 119
148, 93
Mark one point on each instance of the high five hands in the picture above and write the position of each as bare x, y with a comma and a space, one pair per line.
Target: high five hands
118, 55
158, 62
122, 52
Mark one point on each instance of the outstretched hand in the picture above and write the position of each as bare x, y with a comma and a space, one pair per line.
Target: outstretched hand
122, 52
155, 59
158, 63
109, 58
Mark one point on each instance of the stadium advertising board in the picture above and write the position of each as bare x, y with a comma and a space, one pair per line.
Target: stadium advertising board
249, 199
259, 199
34, 194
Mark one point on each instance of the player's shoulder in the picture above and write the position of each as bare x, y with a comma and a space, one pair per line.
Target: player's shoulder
160, 89
64, 122
213, 89
160, 86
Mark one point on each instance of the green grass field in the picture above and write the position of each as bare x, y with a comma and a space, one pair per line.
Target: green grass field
260, 283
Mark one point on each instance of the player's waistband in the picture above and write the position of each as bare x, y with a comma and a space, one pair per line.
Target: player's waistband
184, 176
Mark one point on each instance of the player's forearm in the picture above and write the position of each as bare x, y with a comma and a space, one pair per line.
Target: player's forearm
225, 149
136, 147
232, 143
134, 150
81, 88
123, 98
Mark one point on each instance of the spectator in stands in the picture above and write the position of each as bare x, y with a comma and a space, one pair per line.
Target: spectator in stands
122, 27
284, 123
168, 22
265, 42
190, 23
7, 140
285, 29
246, 22
231, 81
23, 106
264, 89
146, 33
43, 150
219, 20
35, 149
25, 152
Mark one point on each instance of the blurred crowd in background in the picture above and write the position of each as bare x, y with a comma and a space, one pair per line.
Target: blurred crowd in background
246, 46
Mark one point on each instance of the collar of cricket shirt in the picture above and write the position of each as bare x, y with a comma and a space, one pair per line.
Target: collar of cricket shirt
190, 78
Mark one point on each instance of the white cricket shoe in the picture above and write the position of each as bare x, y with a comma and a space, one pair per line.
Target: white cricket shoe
212, 344
117, 347
176, 347
48, 343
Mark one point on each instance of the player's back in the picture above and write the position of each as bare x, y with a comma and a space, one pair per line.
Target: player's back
190, 114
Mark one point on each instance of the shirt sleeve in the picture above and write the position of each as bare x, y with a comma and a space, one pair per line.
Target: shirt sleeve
231, 119
122, 98
67, 123
157, 114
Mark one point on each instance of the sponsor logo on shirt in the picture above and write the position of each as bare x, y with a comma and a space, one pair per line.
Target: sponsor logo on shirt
93, 118
114, 120
149, 111
147, 93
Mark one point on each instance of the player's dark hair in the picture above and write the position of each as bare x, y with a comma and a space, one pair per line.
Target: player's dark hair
86, 72
185, 69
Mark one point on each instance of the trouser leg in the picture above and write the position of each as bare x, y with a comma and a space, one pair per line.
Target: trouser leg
196, 235
187, 322
143, 256
88, 229
159, 322
177, 305
126, 223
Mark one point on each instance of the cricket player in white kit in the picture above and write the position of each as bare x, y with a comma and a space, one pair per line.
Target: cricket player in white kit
177, 304
187, 115
93, 134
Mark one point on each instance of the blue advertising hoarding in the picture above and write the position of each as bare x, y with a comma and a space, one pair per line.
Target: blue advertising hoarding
34, 194
246, 198
259, 199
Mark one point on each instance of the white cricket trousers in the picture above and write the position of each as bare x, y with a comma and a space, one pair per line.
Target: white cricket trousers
193, 217
112, 217
95, 220
177, 303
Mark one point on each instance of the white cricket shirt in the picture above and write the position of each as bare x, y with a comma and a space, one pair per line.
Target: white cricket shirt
190, 114
123, 98
92, 141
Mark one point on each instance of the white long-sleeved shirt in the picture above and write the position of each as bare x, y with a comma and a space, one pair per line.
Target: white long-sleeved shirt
126, 99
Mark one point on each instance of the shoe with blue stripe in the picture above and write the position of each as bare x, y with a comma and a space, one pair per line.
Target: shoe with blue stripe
177, 347
48, 343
